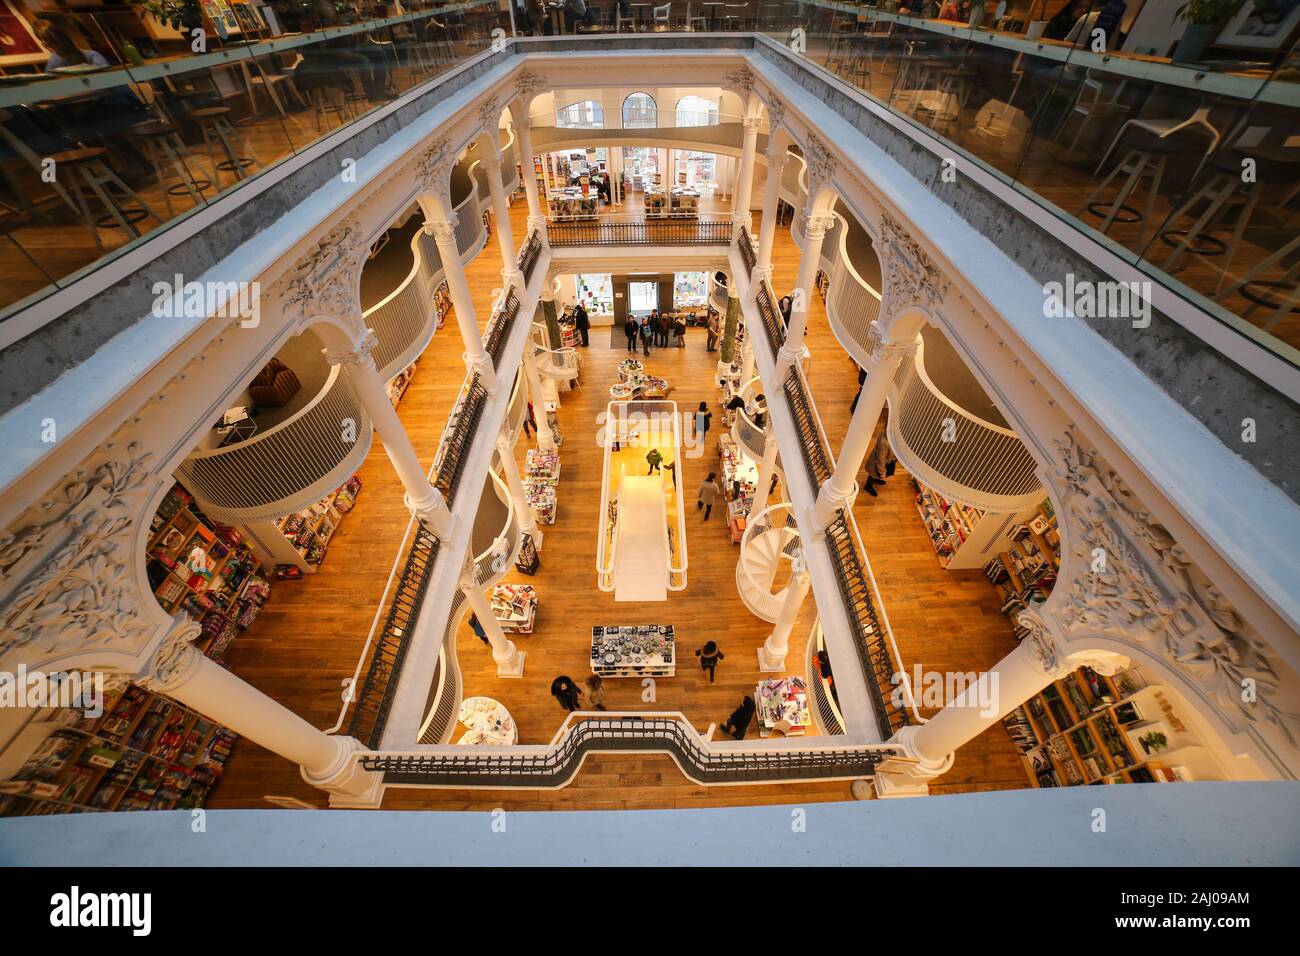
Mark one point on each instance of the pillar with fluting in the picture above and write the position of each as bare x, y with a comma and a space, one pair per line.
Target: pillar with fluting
181, 672
745, 178
1026, 671
444, 236
771, 656
549, 312
524, 137
515, 482
730, 326
421, 497
545, 438
841, 488
814, 231
776, 158
509, 659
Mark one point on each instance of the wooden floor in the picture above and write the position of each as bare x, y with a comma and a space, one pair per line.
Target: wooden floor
307, 640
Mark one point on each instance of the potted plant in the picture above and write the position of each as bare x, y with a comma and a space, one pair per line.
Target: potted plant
180, 15
1154, 741
1204, 19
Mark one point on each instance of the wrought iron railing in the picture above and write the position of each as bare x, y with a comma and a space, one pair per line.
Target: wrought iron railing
869, 636
494, 341
590, 733
746, 245
815, 459
528, 255
370, 716
772, 323
456, 445
665, 232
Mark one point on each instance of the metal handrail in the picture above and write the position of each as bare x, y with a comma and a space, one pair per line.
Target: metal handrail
665, 232
529, 254
745, 243
772, 323
499, 326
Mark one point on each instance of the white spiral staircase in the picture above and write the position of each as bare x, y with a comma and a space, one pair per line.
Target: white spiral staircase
767, 549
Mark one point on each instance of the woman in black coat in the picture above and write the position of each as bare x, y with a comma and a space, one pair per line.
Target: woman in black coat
566, 692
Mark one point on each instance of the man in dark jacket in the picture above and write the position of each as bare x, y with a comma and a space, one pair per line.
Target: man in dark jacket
631, 330
581, 322
738, 722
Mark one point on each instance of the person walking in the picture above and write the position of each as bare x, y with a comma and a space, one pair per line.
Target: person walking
631, 330
707, 494
709, 656
566, 692
711, 341
879, 464
655, 459
581, 323
596, 692
530, 422
647, 331
862, 377
702, 419
738, 722
477, 627
679, 328
786, 305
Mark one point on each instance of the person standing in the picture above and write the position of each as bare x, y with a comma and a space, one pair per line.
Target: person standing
711, 342
530, 422
862, 377
703, 417
679, 328
757, 410
581, 323
707, 494
477, 627
596, 692
631, 330
660, 324
655, 459
646, 332
566, 692
879, 463
786, 306
740, 718
709, 656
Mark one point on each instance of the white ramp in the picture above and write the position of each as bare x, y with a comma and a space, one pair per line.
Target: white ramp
641, 543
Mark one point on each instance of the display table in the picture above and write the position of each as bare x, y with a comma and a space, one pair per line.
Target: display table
570, 205
515, 607
488, 723
637, 383
541, 483
637, 650
739, 480
781, 706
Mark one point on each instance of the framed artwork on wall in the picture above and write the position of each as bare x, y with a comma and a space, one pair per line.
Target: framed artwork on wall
1261, 25
18, 43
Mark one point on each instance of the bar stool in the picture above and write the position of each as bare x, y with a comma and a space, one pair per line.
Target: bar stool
856, 67
162, 144
955, 81
220, 138
1145, 159
327, 100
87, 178
1251, 287
1222, 192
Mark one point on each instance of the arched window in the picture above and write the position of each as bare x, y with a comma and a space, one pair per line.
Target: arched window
585, 115
639, 112
697, 111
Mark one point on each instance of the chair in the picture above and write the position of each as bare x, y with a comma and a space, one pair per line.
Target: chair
221, 139
162, 144
662, 18
87, 179
274, 386
1097, 99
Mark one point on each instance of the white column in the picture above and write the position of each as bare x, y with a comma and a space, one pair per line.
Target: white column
545, 438
746, 361
524, 136
1026, 671
771, 656
501, 213
476, 358
421, 497
815, 227
766, 467
510, 660
771, 200
842, 487
181, 672
745, 178
515, 481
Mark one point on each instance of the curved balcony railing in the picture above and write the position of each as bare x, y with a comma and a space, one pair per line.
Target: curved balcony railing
826, 707
563, 365
851, 303
405, 319
471, 234
298, 460
946, 447
641, 232
702, 761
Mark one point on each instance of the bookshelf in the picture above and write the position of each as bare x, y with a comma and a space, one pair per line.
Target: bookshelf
1087, 729
144, 752
1025, 573
515, 607
310, 530
949, 523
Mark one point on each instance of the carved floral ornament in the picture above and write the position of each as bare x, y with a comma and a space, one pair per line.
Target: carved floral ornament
528, 84
775, 114
821, 165
327, 279
740, 82
911, 276
67, 577
1149, 592
433, 172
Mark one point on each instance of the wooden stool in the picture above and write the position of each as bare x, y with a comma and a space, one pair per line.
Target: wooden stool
325, 100
165, 149
220, 138
85, 176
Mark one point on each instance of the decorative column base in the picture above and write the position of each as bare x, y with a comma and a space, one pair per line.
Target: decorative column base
512, 663
433, 512
482, 364
892, 786
349, 785
768, 662
513, 277
787, 358
907, 775
829, 501
538, 224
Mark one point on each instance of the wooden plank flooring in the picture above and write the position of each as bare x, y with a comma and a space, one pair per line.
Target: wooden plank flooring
308, 639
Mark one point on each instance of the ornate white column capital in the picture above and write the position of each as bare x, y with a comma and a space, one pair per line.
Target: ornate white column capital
174, 660
489, 117
327, 279
491, 161
775, 114
433, 172
911, 276
816, 226
442, 230
740, 82
362, 356
753, 123
513, 277
886, 353
1042, 645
